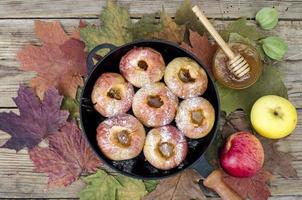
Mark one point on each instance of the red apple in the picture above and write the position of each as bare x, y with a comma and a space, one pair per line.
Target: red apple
242, 155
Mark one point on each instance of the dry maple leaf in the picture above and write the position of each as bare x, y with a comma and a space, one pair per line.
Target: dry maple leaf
275, 161
59, 62
236, 121
201, 48
37, 119
67, 157
180, 187
169, 29
50, 32
253, 188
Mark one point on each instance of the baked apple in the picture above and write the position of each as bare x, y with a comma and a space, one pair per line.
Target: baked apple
121, 137
112, 95
165, 147
154, 105
185, 78
142, 65
195, 117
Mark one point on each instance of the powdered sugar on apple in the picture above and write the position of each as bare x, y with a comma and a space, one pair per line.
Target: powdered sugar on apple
154, 117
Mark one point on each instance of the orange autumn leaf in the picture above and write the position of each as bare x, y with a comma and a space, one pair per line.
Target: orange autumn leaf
201, 48
59, 62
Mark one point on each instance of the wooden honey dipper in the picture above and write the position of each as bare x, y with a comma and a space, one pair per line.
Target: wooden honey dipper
237, 64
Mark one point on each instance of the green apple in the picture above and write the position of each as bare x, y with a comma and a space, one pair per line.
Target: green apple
273, 116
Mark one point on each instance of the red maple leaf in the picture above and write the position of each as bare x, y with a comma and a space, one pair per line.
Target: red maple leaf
201, 48
67, 157
253, 188
76, 33
59, 62
36, 121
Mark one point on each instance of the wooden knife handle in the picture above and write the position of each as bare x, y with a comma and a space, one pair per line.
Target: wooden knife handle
215, 182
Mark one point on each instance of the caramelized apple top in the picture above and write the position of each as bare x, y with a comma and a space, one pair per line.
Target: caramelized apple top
197, 117
114, 93
143, 65
124, 138
166, 149
185, 76
154, 101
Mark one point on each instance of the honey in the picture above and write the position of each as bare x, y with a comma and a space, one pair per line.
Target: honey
226, 78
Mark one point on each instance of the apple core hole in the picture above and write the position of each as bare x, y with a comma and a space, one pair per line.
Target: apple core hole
154, 101
123, 138
197, 117
166, 149
114, 93
143, 65
185, 76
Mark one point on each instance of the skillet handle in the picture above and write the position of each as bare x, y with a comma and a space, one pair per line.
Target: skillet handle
93, 54
214, 180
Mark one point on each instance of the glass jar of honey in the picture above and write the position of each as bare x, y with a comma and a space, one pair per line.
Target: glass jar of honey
224, 76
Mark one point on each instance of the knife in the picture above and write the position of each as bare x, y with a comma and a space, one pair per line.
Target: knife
213, 180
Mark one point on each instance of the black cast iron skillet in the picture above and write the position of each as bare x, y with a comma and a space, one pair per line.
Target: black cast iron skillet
138, 167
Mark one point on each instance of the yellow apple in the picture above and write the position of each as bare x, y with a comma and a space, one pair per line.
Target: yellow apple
273, 116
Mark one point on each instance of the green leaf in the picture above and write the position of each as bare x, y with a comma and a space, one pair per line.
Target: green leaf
241, 27
147, 25
115, 21
235, 37
100, 186
270, 82
105, 186
133, 189
185, 16
150, 185
72, 105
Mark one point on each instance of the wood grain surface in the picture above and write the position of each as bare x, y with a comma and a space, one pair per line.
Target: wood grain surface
17, 179
91, 8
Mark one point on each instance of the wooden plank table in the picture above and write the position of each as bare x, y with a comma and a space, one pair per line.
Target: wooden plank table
17, 179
